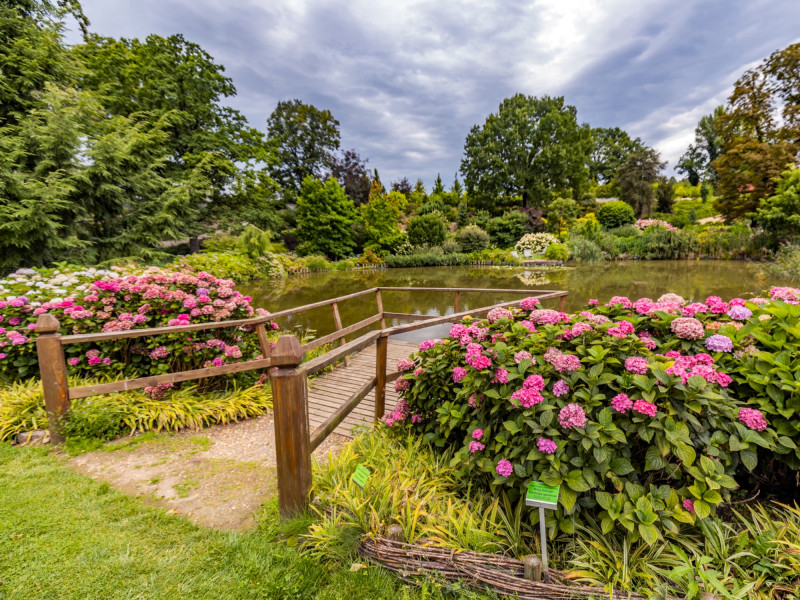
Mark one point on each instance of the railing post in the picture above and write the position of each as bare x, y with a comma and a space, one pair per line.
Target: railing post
562, 303
380, 308
263, 340
380, 376
289, 400
53, 370
337, 320
457, 302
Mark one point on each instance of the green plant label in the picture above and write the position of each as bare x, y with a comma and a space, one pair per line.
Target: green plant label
542, 495
360, 476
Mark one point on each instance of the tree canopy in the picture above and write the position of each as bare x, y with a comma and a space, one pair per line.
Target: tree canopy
325, 217
532, 148
611, 146
636, 177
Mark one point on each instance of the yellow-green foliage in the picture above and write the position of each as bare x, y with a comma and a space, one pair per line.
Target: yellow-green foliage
22, 409
411, 487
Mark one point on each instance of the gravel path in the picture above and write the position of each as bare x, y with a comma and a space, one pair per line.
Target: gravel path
218, 477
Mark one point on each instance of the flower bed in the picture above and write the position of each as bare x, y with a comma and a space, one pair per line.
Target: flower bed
647, 413
119, 302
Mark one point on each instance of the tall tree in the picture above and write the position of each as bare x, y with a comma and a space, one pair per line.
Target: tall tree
760, 132
532, 148
325, 217
697, 162
304, 139
611, 146
636, 177
403, 186
664, 194
438, 186
351, 172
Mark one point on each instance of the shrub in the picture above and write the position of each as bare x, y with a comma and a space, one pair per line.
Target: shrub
625, 231
556, 252
588, 227
535, 243
225, 265
506, 230
426, 230
481, 218
637, 438
426, 259
584, 250
433, 205
317, 263
659, 243
253, 242
451, 246
786, 265
645, 223
472, 239
615, 214
494, 256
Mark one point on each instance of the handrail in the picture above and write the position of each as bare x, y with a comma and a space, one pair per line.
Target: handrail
288, 374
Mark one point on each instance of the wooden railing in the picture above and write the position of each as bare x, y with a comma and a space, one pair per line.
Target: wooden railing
287, 372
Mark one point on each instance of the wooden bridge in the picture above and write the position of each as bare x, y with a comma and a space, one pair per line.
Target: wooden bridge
305, 413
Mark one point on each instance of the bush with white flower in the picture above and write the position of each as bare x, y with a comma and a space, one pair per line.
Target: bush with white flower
536, 243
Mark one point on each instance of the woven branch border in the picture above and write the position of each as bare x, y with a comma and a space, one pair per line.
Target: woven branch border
479, 570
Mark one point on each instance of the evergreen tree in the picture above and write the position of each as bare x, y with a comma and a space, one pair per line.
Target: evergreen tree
636, 177
325, 217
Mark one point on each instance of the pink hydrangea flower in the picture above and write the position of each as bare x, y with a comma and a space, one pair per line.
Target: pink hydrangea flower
594, 302
401, 384
480, 362
687, 328
428, 344
504, 468
416, 419
645, 408
620, 300
457, 331
94, 360
572, 416
459, 373
477, 434
566, 363
688, 505
753, 419
527, 397
498, 313
546, 446
74, 361
501, 375
739, 312
528, 325
529, 303
218, 361
405, 364
561, 388
534, 382
476, 447
636, 365
159, 353
621, 403
545, 316
521, 355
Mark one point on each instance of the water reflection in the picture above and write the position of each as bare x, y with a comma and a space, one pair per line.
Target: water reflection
694, 280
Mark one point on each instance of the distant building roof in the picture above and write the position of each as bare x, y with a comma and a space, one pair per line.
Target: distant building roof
604, 200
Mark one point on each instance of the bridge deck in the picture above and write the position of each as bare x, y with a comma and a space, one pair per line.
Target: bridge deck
328, 392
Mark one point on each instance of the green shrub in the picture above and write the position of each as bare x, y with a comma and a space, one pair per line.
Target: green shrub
556, 252
426, 259
253, 242
786, 265
615, 214
659, 243
584, 250
426, 230
472, 239
481, 218
506, 230
625, 231
317, 262
451, 246
225, 265
433, 205
220, 242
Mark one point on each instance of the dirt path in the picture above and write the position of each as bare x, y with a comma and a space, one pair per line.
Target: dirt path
217, 477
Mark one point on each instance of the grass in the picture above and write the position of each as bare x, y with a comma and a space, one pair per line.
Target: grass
67, 537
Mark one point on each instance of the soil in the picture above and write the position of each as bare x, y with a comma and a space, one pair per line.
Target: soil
217, 477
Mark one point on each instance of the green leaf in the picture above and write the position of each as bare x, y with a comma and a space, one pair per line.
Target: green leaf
621, 466
511, 426
649, 533
545, 418
749, 459
701, 509
567, 498
603, 499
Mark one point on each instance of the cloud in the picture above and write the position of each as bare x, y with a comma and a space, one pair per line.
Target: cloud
407, 80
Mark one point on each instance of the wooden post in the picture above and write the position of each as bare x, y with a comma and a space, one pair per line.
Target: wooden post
338, 322
380, 308
53, 369
290, 393
533, 567
381, 346
457, 302
562, 303
263, 340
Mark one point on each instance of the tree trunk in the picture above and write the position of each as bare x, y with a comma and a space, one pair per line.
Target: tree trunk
194, 245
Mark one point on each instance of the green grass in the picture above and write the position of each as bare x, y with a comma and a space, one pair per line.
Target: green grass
64, 536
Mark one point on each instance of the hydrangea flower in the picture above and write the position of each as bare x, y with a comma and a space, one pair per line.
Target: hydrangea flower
621, 403
501, 375
504, 468
477, 434
572, 416
527, 397
566, 363
740, 313
687, 328
534, 382
560, 388
401, 384
645, 408
546, 446
673, 298
521, 355
753, 419
688, 505
719, 343
636, 365
529, 303
405, 364
459, 373
498, 313
476, 447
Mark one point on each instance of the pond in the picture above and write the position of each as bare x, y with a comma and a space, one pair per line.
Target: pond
694, 280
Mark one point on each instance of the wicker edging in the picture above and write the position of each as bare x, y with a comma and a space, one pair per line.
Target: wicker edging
478, 570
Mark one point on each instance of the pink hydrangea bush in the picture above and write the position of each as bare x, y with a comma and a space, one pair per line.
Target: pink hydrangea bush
634, 410
153, 298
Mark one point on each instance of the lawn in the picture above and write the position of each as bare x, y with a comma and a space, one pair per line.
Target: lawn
65, 536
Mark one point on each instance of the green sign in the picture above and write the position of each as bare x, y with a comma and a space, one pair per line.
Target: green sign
360, 476
542, 495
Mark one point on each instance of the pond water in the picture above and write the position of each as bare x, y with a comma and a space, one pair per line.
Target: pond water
694, 280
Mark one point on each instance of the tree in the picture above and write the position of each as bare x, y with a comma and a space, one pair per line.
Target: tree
760, 132
426, 230
438, 186
664, 194
636, 177
403, 186
350, 171
303, 138
611, 146
697, 162
456, 190
325, 217
532, 148
378, 222
780, 214
505, 231
561, 213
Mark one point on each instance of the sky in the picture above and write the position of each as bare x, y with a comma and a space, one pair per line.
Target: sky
407, 80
